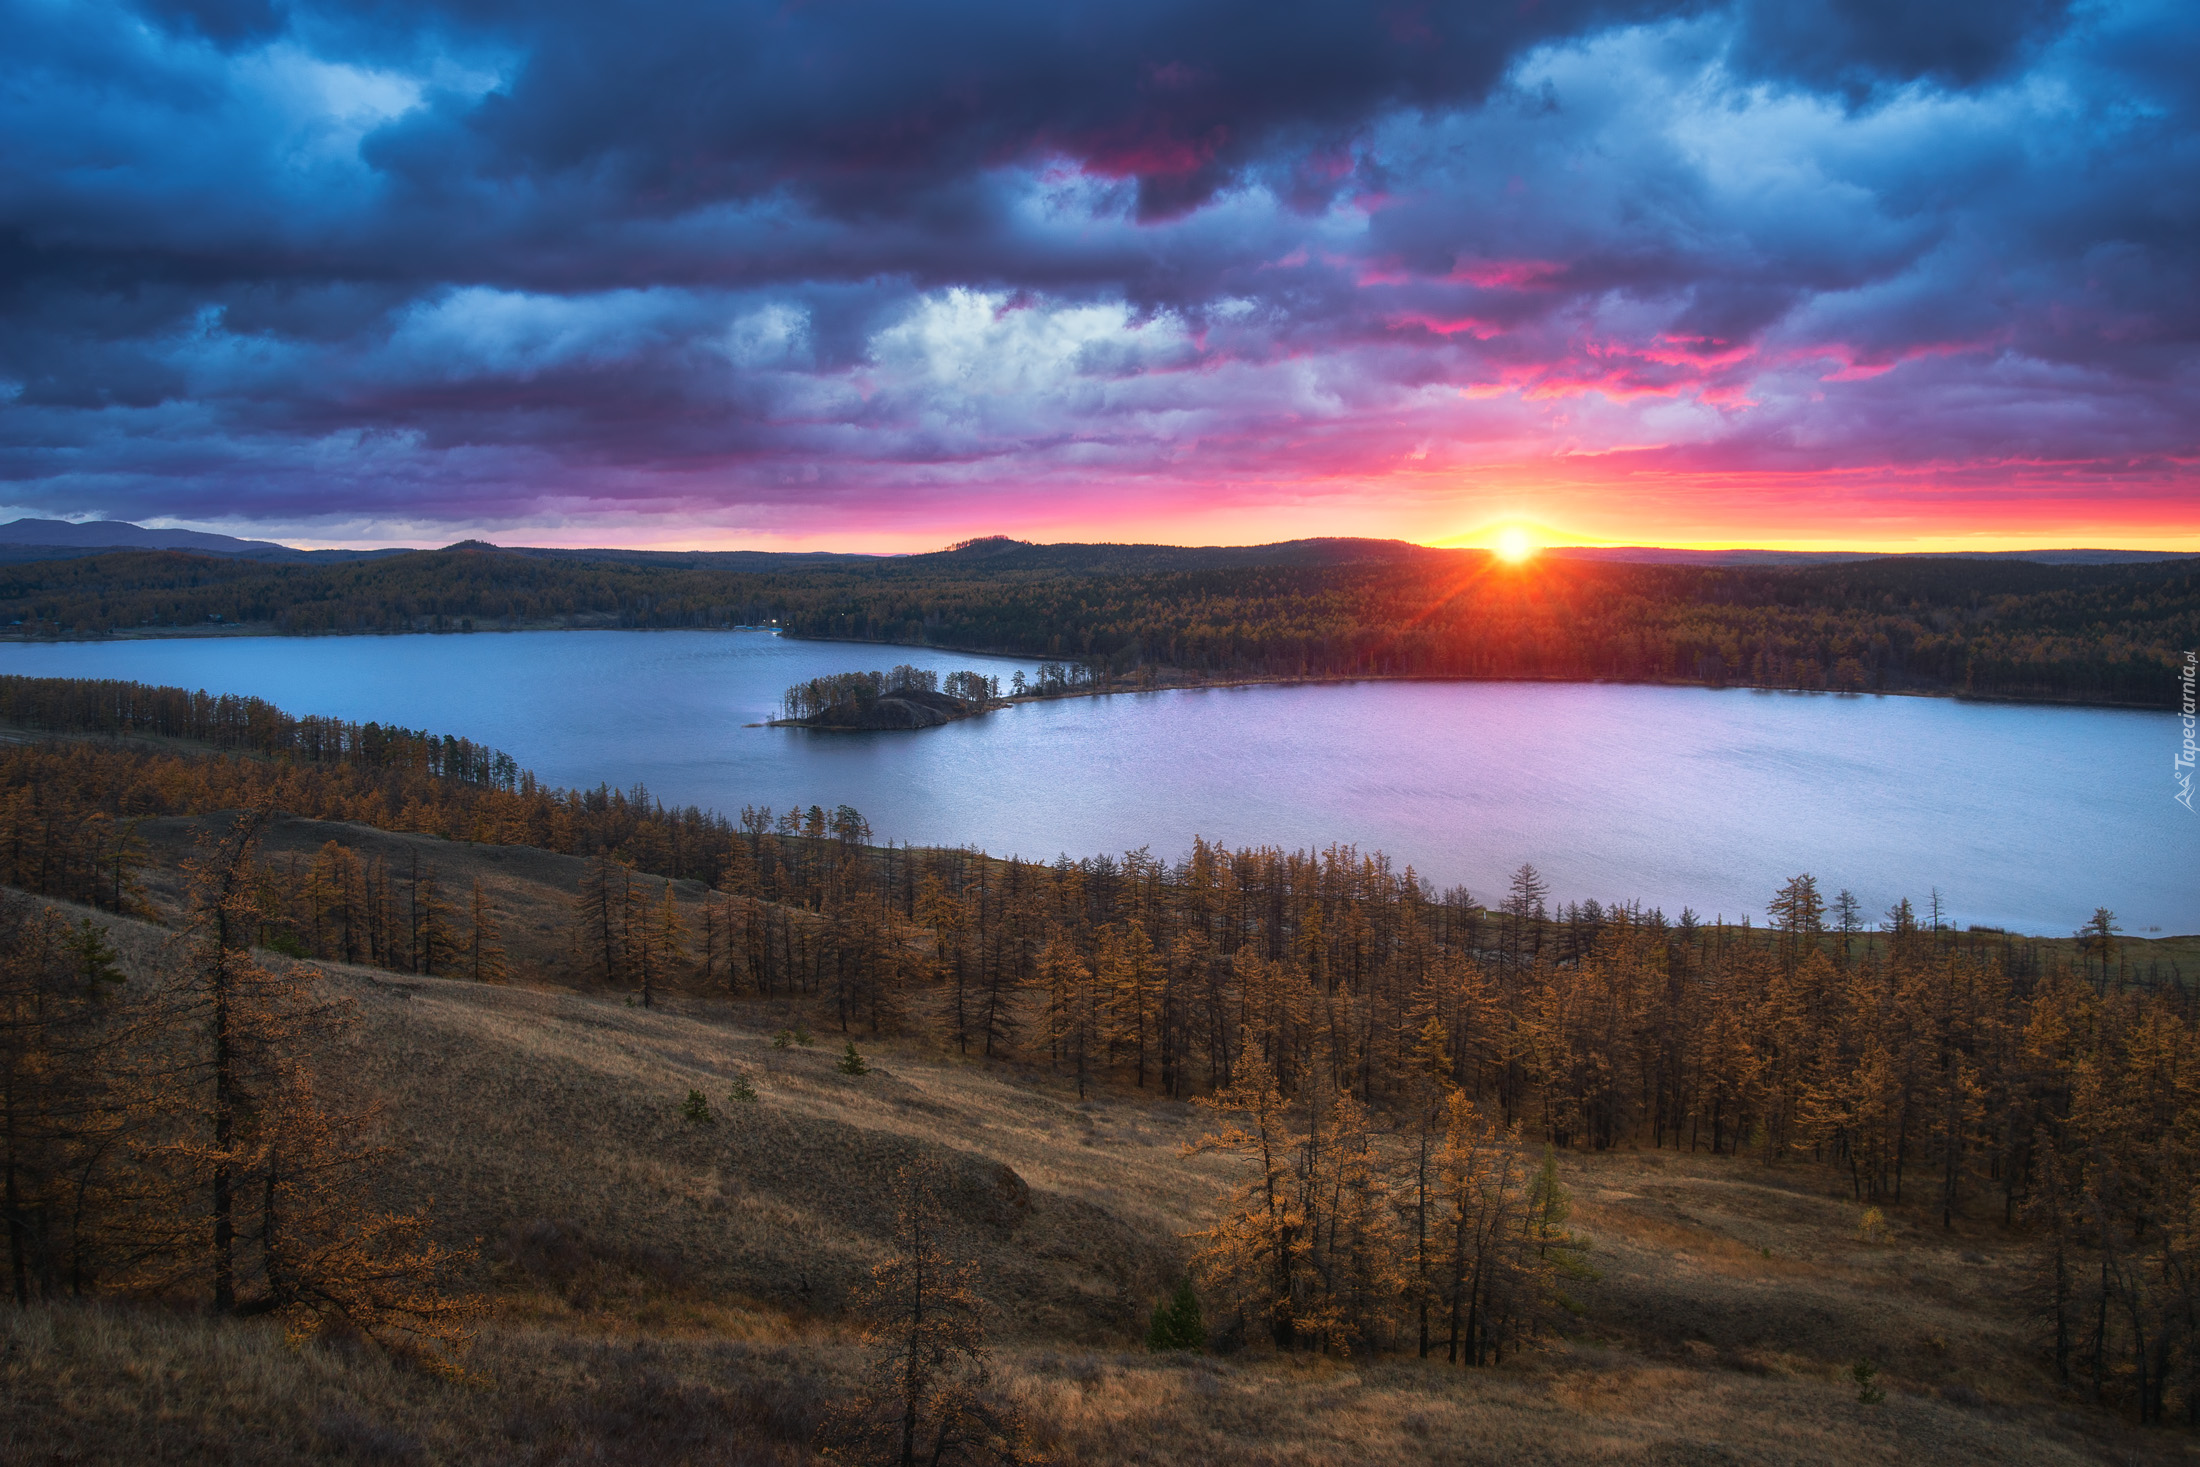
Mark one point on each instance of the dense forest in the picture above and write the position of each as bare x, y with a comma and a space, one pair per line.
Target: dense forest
1127, 615
1384, 1059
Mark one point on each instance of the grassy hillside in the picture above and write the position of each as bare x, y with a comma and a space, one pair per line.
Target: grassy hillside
666, 1291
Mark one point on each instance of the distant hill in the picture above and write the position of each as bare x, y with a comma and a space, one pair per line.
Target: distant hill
31, 539
1001, 555
997, 554
36, 539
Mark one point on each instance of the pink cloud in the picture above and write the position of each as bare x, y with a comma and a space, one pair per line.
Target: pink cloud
1443, 326
1507, 274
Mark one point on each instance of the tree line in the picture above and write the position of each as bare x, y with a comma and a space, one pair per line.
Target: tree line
1398, 1054
812, 697
462, 589
247, 724
2008, 629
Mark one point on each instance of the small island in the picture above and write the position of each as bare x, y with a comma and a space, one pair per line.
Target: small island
904, 698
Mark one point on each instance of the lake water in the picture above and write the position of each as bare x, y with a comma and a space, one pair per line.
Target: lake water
2023, 817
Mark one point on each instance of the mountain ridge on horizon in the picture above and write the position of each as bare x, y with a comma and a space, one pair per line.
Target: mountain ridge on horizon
43, 539
59, 539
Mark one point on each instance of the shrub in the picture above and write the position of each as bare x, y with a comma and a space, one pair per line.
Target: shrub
1176, 1323
743, 1093
852, 1063
289, 944
696, 1110
1868, 1390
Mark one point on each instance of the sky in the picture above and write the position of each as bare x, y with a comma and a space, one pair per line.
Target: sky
879, 275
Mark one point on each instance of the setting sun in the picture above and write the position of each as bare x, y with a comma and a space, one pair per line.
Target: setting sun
1514, 545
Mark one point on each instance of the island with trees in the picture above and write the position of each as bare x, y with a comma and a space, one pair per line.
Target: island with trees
904, 697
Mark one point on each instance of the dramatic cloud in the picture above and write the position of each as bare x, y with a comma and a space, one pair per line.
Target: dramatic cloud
866, 273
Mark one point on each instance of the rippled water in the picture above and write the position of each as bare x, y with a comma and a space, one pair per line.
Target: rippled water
2022, 817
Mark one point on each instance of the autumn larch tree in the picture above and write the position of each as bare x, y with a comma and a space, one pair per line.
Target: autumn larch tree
599, 929
928, 1394
1253, 1253
1074, 1018
484, 953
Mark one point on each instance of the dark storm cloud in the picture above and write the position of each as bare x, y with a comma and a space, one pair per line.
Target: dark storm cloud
227, 23
447, 263
859, 107
1858, 44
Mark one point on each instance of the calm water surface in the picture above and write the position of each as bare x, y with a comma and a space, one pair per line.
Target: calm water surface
2023, 817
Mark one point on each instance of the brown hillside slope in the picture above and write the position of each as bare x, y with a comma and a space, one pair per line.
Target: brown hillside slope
667, 1291
510, 1105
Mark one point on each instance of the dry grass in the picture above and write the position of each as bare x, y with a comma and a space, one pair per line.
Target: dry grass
571, 1108
93, 1384
102, 1384
671, 1292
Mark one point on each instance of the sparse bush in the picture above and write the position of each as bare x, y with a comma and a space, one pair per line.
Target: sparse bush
1176, 1323
92, 955
743, 1092
1872, 1226
802, 1035
782, 1039
289, 944
695, 1110
852, 1063
1868, 1390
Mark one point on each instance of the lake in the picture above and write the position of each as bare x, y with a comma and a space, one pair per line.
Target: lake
2023, 817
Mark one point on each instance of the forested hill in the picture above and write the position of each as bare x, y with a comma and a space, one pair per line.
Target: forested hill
2004, 628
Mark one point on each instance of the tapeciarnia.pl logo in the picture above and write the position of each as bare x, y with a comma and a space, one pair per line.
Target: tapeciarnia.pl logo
2188, 676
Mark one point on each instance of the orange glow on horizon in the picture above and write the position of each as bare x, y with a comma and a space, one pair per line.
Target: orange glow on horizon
1556, 506
857, 542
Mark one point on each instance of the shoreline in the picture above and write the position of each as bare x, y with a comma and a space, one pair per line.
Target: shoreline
1284, 680
246, 631
1340, 679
